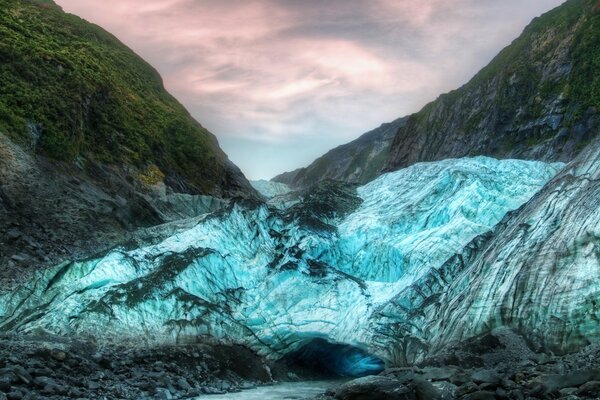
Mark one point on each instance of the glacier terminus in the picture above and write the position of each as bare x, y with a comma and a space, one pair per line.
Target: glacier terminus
283, 279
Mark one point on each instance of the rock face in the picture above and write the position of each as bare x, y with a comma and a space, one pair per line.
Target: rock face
276, 280
537, 273
359, 161
538, 99
50, 211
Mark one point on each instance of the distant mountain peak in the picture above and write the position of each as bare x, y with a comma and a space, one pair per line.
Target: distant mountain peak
359, 161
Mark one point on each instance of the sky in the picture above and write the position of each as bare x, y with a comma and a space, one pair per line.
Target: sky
280, 82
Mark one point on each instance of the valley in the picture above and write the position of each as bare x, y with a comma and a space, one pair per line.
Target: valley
453, 253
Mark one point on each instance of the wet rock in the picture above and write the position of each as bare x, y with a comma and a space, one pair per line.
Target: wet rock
21, 258
183, 384
447, 390
58, 355
13, 234
589, 389
501, 394
21, 373
76, 393
49, 378
460, 378
54, 389
468, 387
5, 385
486, 376
488, 387
516, 395
14, 396
555, 382
568, 391
508, 384
72, 362
424, 390
163, 394
92, 385
374, 388
210, 390
480, 395
43, 371
439, 373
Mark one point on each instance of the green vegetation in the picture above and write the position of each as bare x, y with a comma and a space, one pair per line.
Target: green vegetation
521, 92
516, 55
86, 94
584, 84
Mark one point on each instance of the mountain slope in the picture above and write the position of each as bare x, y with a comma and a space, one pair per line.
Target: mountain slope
538, 99
359, 161
92, 147
73, 92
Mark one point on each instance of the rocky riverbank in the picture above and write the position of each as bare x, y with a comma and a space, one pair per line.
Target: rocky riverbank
500, 365
54, 368
495, 366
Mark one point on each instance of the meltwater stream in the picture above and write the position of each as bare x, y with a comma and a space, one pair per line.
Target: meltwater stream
282, 391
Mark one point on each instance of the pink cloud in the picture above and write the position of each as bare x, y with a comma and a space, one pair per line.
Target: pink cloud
306, 72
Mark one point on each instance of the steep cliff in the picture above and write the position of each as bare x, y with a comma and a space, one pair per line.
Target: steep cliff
538, 99
359, 161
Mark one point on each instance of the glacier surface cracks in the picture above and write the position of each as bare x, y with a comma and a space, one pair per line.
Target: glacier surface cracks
274, 280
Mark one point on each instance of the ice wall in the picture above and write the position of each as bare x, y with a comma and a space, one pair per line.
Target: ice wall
278, 279
538, 272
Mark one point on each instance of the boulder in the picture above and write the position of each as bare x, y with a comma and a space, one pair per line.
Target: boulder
553, 383
486, 376
480, 395
591, 388
374, 388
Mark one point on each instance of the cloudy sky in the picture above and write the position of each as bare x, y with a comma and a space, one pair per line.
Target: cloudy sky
282, 81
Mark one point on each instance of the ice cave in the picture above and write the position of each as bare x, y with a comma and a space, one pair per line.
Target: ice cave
324, 359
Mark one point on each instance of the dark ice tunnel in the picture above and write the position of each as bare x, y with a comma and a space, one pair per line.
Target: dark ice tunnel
326, 359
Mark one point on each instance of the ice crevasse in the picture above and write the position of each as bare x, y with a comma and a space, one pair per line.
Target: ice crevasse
274, 279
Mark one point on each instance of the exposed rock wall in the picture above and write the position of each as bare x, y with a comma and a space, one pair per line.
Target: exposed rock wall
51, 211
536, 100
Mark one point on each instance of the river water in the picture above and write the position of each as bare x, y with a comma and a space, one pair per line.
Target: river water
281, 391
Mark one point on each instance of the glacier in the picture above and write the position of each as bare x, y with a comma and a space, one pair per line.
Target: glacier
537, 272
270, 189
337, 266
